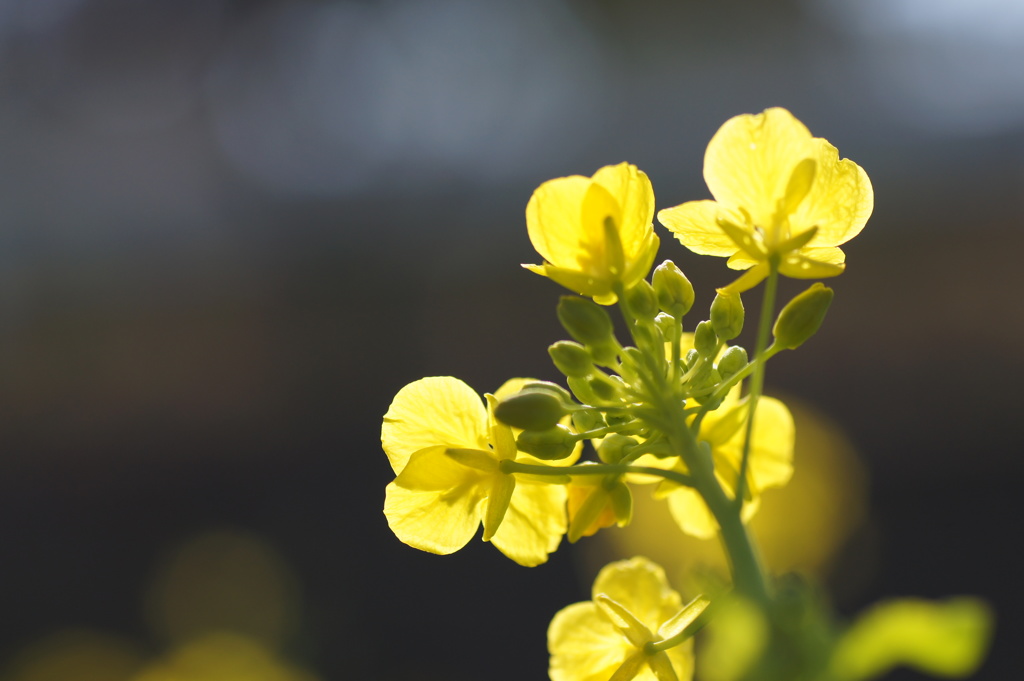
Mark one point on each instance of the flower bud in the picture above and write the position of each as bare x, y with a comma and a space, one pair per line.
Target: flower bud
641, 301
530, 410
802, 316
614, 447
572, 359
586, 420
551, 444
732, 361
596, 389
704, 339
585, 320
727, 315
666, 324
674, 290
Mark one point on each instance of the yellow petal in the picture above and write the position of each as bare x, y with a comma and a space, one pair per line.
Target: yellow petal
840, 200
440, 410
691, 513
634, 195
553, 219
751, 158
533, 524
771, 452
435, 504
584, 646
695, 224
641, 586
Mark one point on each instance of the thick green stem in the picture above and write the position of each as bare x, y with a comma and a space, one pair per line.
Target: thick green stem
746, 568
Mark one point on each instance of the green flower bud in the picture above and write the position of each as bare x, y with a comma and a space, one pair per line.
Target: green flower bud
596, 389
732, 361
585, 320
727, 315
552, 389
607, 388
572, 359
666, 324
530, 410
802, 316
614, 447
641, 302
647, 338
674, 290
551, 444
586, 420
705, 340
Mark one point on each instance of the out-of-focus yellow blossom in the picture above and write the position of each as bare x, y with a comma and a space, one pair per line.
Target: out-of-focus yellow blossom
770, 462
605, 638
594, 232
445, 447
779, 193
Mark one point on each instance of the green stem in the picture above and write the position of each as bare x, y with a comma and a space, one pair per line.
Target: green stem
509, 466
757, 379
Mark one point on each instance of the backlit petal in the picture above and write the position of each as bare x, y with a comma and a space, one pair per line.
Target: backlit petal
534, 523
633, 192
840, 201
641, 586
584, 646
695, 224
553, 219
439, 410
751, 158
434, 521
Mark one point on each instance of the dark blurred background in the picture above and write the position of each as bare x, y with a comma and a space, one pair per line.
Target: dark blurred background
231, 231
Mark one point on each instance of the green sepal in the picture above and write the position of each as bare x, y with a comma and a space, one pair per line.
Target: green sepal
497, 504
476, 459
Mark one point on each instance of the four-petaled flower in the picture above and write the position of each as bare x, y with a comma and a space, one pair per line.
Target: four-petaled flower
780, 195
607, 638
594, 233
446, 449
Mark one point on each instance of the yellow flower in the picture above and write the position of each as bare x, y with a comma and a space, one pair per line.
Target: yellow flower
605, 638
445, 447
594, 233
779, 194
770, 462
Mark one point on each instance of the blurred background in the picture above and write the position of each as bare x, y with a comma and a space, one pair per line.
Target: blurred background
231, 231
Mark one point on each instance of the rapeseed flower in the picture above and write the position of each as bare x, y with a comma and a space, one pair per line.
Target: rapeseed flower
446, 447
780, 195
594, 233
606, 638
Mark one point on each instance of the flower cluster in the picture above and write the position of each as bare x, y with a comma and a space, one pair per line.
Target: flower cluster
678, 408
